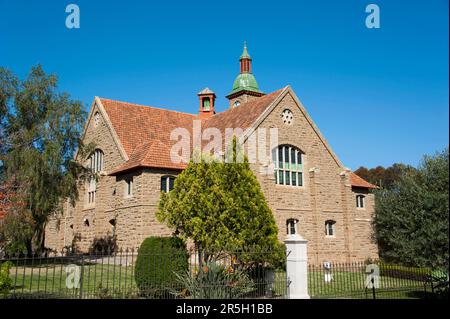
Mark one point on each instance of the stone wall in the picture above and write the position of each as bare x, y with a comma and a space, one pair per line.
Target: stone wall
326, 194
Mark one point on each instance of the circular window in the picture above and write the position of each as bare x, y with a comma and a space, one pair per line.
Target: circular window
287, 116
237, 103
96, 119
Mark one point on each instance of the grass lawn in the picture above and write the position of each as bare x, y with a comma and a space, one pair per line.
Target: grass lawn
347, 284
97, 281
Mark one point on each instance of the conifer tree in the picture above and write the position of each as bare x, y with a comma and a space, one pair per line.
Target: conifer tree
220, 206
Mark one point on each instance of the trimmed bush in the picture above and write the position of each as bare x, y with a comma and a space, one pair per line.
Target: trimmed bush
159, 258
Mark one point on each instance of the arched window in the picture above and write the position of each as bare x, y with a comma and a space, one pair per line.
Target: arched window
167, 183
288, 161
96, 166
291, 226
96, 161
329, 227
360, 201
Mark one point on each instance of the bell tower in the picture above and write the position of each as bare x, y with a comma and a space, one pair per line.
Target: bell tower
245, 87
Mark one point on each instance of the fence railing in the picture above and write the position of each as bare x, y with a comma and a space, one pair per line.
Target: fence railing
375, 280
226, 275
125, 275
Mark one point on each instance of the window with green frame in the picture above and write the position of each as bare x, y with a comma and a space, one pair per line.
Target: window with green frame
288, 161
206, 104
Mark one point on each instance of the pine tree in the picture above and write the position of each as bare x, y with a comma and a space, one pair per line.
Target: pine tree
220, 206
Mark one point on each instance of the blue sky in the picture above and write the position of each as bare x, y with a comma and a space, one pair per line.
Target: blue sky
378, 95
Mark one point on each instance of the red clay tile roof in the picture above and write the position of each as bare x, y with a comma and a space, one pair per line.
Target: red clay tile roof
145, 131
244, 115
357, 181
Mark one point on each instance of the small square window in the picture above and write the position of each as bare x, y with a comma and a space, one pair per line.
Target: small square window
167, 183
329, 227
360, 201
291, 226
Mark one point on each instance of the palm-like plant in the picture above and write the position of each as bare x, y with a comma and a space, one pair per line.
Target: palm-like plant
214, 281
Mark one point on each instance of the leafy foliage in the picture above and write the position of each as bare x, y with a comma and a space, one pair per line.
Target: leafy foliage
384, 177
6, 283
412, 220
215, 281
40, 131
17, 230
158, 259
220, 206
104, 245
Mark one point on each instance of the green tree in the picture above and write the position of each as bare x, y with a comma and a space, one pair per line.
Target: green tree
383, 177
40, 131
412, 219
219, 206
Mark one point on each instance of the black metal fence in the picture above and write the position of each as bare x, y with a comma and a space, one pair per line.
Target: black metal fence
374, 280
158, 276
219, 276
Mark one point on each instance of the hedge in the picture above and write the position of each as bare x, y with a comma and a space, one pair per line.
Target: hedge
157, 261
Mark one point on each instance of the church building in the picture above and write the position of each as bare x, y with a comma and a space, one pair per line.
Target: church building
309, 190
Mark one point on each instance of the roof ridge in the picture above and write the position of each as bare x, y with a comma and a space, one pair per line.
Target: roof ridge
244, 104
147, 106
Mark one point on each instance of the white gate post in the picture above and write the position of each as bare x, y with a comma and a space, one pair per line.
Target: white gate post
297, 267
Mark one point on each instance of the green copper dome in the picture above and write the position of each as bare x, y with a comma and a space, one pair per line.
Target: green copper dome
245, 81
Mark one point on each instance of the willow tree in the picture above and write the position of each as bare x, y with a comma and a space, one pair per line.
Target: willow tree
220, 206
40, 132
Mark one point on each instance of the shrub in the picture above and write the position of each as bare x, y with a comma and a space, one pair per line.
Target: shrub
403, 272
158, 259
214, 281
263, 257
104, 245
118, 293
6, 283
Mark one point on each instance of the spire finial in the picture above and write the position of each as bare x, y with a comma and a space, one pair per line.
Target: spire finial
245, 52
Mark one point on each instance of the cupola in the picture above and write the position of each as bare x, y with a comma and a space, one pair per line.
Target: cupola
207, 99
245, 86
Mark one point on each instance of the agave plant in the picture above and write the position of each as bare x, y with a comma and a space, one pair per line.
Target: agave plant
214, 281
